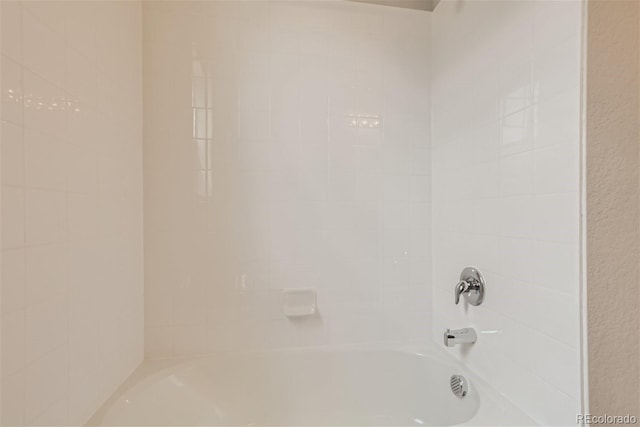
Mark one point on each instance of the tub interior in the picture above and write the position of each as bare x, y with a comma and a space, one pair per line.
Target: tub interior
295, 388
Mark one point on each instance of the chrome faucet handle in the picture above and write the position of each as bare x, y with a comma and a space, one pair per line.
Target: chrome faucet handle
461, 287
471, 286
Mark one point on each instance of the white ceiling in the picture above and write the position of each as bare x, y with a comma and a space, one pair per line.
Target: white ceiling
410, 4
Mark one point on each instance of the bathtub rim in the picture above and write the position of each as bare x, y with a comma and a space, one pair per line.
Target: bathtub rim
494, 408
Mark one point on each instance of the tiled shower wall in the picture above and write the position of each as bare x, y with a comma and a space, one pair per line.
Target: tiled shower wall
286, 146
506, 152
72, 322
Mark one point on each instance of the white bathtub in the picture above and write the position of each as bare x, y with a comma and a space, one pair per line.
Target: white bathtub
304, 388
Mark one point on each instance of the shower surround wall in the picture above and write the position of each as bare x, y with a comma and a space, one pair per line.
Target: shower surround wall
286, 146
72, 315
506, 151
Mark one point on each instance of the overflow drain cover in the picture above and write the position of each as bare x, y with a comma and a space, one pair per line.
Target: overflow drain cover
459, 385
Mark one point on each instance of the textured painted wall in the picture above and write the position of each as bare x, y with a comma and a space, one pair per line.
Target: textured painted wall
613, 206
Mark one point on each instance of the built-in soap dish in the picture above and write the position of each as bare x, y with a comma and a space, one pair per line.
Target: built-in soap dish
299, 302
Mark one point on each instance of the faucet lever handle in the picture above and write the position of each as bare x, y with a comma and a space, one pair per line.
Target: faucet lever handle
461, 287
472, 285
